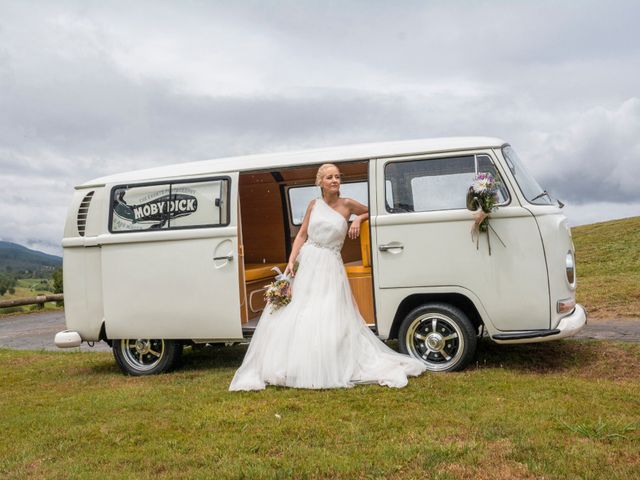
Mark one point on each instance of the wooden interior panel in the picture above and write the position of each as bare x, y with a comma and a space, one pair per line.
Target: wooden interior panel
243, 295
351, 250
262, 221
362, 289
255, 297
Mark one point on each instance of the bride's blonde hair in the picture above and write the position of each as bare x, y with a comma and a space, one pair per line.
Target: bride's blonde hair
323, 168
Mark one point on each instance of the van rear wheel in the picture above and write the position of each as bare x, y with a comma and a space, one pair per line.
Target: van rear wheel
440, 335
143, 356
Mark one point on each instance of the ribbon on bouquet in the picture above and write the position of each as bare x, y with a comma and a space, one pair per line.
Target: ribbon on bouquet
280, 275
481, 217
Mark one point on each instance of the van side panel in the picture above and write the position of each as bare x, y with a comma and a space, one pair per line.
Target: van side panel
172, 289
438, 251
433, 247
386, 311
556, 237
83, 308
179, 282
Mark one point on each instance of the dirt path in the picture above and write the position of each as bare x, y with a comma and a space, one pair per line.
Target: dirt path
626, 330
35, 331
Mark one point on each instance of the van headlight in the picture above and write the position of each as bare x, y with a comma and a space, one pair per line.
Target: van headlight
571, 268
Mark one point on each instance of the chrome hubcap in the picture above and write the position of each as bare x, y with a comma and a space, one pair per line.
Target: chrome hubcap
435, 339
142, 354
142, 347
435, 342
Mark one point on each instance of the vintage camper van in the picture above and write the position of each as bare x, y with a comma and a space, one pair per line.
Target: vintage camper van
180, 255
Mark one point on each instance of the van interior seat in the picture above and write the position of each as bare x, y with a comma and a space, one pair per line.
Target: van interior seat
261, 271
360, 268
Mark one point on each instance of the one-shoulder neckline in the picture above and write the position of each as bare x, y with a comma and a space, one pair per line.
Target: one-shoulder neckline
333, 209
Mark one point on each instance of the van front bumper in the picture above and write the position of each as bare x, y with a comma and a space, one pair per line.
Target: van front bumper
568, 326
67, 339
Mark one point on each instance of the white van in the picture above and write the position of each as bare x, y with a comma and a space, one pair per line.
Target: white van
180, 255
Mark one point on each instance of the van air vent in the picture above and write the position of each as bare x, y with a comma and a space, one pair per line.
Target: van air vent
83, 211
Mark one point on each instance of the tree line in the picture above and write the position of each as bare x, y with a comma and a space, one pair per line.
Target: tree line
9, 281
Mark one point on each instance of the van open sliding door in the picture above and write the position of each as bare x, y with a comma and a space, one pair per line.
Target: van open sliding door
169, 265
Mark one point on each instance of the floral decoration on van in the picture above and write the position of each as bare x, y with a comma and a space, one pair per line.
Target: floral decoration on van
482, 197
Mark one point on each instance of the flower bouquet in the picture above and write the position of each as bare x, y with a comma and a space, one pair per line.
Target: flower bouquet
482, 197
278, 292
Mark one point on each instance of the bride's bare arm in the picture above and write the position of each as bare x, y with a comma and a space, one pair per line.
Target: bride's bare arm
301, 237
362, 213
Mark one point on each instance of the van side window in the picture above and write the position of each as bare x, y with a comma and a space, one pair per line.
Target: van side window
299, 197
429, 184
388, 192
485, 165
175, 205
208, 207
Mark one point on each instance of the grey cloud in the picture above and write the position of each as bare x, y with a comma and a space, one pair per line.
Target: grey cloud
596, 158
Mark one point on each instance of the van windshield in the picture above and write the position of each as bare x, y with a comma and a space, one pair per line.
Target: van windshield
531, 189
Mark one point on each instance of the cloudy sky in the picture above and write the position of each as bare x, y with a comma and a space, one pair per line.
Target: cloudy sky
92, 88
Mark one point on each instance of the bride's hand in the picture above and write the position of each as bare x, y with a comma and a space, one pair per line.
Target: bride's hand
354, 230
289, 271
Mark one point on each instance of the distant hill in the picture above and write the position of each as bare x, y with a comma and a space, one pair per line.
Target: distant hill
23, 261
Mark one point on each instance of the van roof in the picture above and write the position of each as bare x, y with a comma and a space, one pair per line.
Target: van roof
338, 154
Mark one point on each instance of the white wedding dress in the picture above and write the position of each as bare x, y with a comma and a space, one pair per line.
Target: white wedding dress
320, 340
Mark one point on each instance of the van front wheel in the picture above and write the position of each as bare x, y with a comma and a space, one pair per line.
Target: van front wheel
143, 356
440, 335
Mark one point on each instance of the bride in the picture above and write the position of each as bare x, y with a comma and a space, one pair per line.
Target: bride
319, 340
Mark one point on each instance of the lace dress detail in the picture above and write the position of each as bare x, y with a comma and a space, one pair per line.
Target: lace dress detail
320, 340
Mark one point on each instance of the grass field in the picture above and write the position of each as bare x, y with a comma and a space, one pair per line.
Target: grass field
567, 409
608, 267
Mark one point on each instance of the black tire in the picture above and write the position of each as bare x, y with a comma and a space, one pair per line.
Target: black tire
440, 335
145, 356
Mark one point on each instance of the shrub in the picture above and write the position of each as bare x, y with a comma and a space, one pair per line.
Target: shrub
7, 283
58, 286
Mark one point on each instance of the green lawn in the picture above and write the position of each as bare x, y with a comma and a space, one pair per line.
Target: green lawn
567, 409
608, 267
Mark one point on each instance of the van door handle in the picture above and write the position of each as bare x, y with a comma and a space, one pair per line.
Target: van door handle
390, 246
226, 257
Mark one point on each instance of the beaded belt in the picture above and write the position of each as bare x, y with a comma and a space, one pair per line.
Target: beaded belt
327, 247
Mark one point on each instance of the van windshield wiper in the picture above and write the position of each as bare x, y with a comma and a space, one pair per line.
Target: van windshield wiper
541, 195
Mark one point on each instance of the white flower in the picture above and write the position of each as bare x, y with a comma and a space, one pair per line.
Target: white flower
481, 185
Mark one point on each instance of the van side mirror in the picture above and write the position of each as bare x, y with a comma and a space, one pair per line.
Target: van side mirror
472, 202
560, 204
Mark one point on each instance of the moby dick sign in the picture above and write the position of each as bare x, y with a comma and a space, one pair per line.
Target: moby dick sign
151, 211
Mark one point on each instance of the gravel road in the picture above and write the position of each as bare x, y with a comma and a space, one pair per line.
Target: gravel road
35, 331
